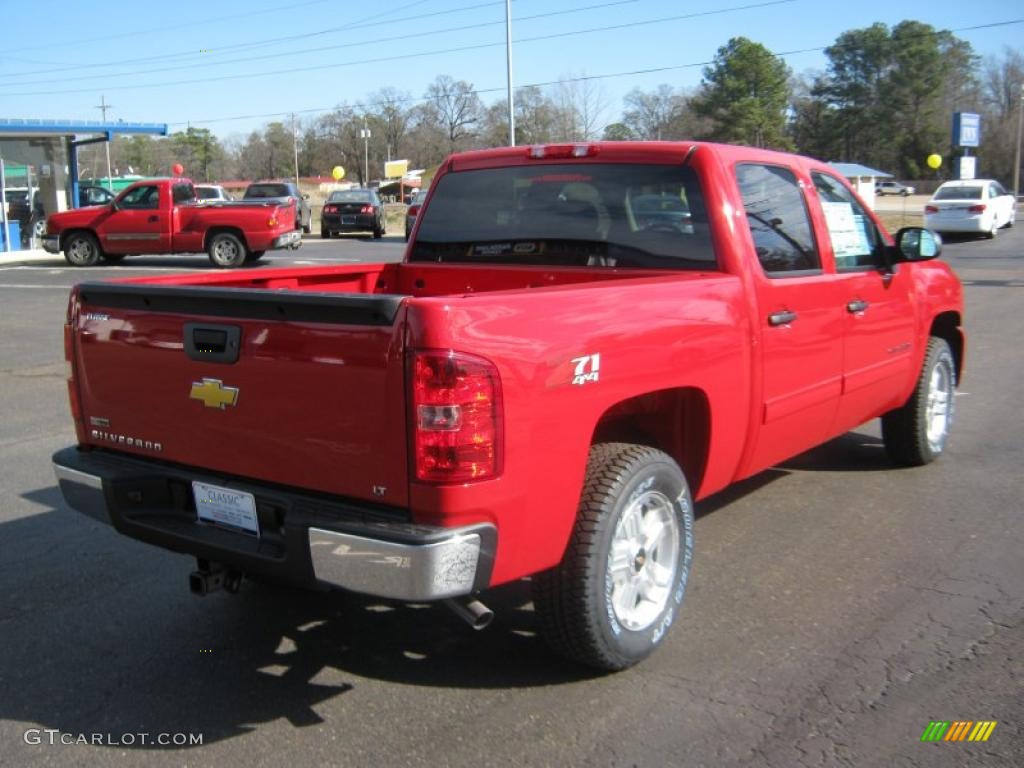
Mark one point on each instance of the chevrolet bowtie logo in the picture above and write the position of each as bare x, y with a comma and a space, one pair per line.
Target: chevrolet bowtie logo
213, 394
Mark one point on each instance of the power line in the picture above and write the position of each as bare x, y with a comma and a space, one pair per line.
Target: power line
421, 54
134, 33
358, 106
276, 55
220, 50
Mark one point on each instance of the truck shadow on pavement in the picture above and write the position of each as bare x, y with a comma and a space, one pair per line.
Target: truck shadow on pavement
102, 636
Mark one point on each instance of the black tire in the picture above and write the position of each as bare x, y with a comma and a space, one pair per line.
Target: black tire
325, 234
588, 614
254, 256
226, 250
113, 258
307, 227
81, 249
378, 232
916, 433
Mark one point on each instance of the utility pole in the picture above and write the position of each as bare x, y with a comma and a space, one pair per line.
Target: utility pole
1016, 157
364, 134
103, 107
295, 146
508, 70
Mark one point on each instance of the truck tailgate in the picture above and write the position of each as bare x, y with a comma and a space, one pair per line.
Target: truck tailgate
302, 389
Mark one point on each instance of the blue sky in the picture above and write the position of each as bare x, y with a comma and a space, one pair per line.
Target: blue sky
250, 59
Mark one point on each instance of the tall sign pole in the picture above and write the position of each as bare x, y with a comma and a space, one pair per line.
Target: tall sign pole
508, 67
364, 134
1016, 157
103, 107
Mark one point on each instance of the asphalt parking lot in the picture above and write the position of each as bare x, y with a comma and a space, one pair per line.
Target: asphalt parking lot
837, 605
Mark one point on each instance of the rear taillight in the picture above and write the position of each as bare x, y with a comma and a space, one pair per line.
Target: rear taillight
330, 209
457, 417
931, 209
413, 211
366, 209
976, 208
69, 362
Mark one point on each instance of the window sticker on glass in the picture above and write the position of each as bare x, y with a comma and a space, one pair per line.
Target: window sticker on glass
847, 232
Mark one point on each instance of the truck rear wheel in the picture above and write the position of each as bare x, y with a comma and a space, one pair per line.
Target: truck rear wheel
915, 434
619, 587
81, 249
226, 250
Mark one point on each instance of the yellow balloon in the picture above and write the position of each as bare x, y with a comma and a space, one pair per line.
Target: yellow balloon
934, 161
338, 173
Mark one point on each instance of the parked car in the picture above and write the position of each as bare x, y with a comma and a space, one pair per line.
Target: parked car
281, 192
352, 210
893, 188
413, 211
211, 192
162, 216
542, 387
977, 205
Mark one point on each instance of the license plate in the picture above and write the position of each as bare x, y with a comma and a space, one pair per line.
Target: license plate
223, 506
348, 219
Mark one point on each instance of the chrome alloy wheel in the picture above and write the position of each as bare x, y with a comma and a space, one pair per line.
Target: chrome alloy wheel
642, 560
939, 407
82, 251
226, 251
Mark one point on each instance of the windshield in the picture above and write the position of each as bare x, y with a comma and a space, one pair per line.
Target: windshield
959, 192
260, 191
612, 215
350, 196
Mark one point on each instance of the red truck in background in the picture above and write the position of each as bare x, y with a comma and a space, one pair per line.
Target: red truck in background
164, 216
581, 340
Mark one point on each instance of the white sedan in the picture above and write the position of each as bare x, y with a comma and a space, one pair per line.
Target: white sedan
976, 205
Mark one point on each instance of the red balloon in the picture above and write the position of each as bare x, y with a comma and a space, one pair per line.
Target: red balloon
178, 169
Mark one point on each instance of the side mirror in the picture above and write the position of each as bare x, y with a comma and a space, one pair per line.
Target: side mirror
917, 244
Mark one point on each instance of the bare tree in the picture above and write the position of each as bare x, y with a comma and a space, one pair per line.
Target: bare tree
456, 107
582, 105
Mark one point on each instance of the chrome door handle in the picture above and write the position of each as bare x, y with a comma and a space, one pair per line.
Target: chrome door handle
856, 306
781, 318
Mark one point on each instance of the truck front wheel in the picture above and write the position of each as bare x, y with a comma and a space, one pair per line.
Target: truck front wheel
226, 250
621, 582
81, 249
915, 434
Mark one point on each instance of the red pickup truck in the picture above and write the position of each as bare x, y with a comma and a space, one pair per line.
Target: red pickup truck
164, 216
581, 340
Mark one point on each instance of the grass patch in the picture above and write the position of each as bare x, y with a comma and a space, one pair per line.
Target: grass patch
895, 220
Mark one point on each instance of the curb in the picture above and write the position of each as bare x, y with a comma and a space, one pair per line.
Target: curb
28, 257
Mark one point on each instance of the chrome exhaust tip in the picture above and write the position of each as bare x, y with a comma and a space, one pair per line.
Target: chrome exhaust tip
473, 612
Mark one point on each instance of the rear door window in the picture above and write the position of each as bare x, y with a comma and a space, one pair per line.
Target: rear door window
778, 220
586, 214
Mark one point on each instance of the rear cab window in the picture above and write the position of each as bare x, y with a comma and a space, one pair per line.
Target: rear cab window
593, 215
263, 191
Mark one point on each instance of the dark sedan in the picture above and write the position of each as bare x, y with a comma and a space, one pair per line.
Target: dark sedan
354, 210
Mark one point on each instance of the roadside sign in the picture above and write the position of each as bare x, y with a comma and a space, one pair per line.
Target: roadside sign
966, 129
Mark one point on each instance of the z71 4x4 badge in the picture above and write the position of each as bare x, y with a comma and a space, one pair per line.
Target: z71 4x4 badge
588, 369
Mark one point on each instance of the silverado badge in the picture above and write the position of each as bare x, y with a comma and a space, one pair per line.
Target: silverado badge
213, 394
